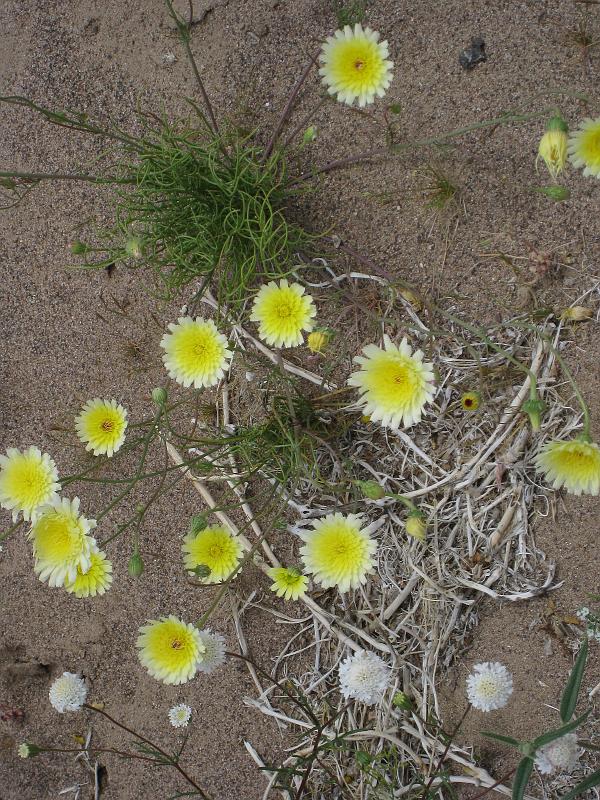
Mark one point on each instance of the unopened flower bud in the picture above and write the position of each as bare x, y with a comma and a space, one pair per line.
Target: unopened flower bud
415, 526
136, 565
202, 571
78, 248
401, 700
318, 340
371, 490
134, 247
198, 523
309, 135
553, 146
556, 193
28, 750
159, 396
534, 408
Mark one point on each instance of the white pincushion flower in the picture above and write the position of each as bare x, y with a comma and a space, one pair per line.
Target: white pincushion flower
68, 693
179, 716
561, 755
365, 677
489, 686
214, 654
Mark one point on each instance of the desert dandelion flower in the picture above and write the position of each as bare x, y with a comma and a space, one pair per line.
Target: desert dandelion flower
283, 311
395, 384
288, 582
61, 544
339, 551
364, 676
101, 426
584, 147
574, 464
196, 354
489, 686
170, 649
214, 547
355, 65
68, 693
213, 656
28, 480
179, 716
560, 755
470, 401
96, 580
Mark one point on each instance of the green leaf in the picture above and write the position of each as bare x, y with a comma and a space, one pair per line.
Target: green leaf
522, 778
506, 739
556, 734
571, 692
587, 783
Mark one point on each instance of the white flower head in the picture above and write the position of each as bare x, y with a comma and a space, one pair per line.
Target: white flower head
561, 755
23, 750
68, 693
179, 716
489, 686
214, 654
365, 677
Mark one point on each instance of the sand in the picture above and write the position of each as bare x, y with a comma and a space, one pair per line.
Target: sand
62, 341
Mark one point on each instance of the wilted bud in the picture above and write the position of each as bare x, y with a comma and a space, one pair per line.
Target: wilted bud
134, 247
198, 523
201, 571
415, 526
371, 490
556, 193
136, 565
412, 298
577, 313
78, 248
318, 340
401, 700
309, 135
534, 408
28, 750
553, 146
159, 396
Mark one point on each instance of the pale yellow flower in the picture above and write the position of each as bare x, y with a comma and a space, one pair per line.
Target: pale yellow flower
101, 426
28, 481
574, 464
288, 582
283, 311
584, 147
170, 649
196, 354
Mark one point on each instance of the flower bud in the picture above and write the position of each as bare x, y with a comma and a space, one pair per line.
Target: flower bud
415, 526
556, 193
371, 490
198, 523
401, 700
134, 247
553, 146
412, 298
159, 396
28, 750
136, 565
78, 248
201, 571
318, 340
577, 313
309, 135
534, 409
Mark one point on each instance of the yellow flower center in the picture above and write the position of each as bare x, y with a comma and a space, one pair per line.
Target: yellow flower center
176, 644
215, 551
108, 425
359, 64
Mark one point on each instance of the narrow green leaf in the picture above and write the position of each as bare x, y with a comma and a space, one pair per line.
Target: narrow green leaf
587, 783
556, 734
522, 778
506, 739
571, 692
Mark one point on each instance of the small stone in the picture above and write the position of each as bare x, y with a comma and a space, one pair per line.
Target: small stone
473, 55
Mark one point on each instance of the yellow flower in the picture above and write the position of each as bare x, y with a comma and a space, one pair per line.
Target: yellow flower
288, 582
394, 382
470, 401
28, 480
283, 311
170, 649
584, 147
196, 353
355, 65
96, 580
577, 313
553, 146
215, 548
101, 426
61, 544
573, 464
339, 551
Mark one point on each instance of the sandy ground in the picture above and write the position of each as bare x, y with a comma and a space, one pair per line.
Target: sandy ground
60, 345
